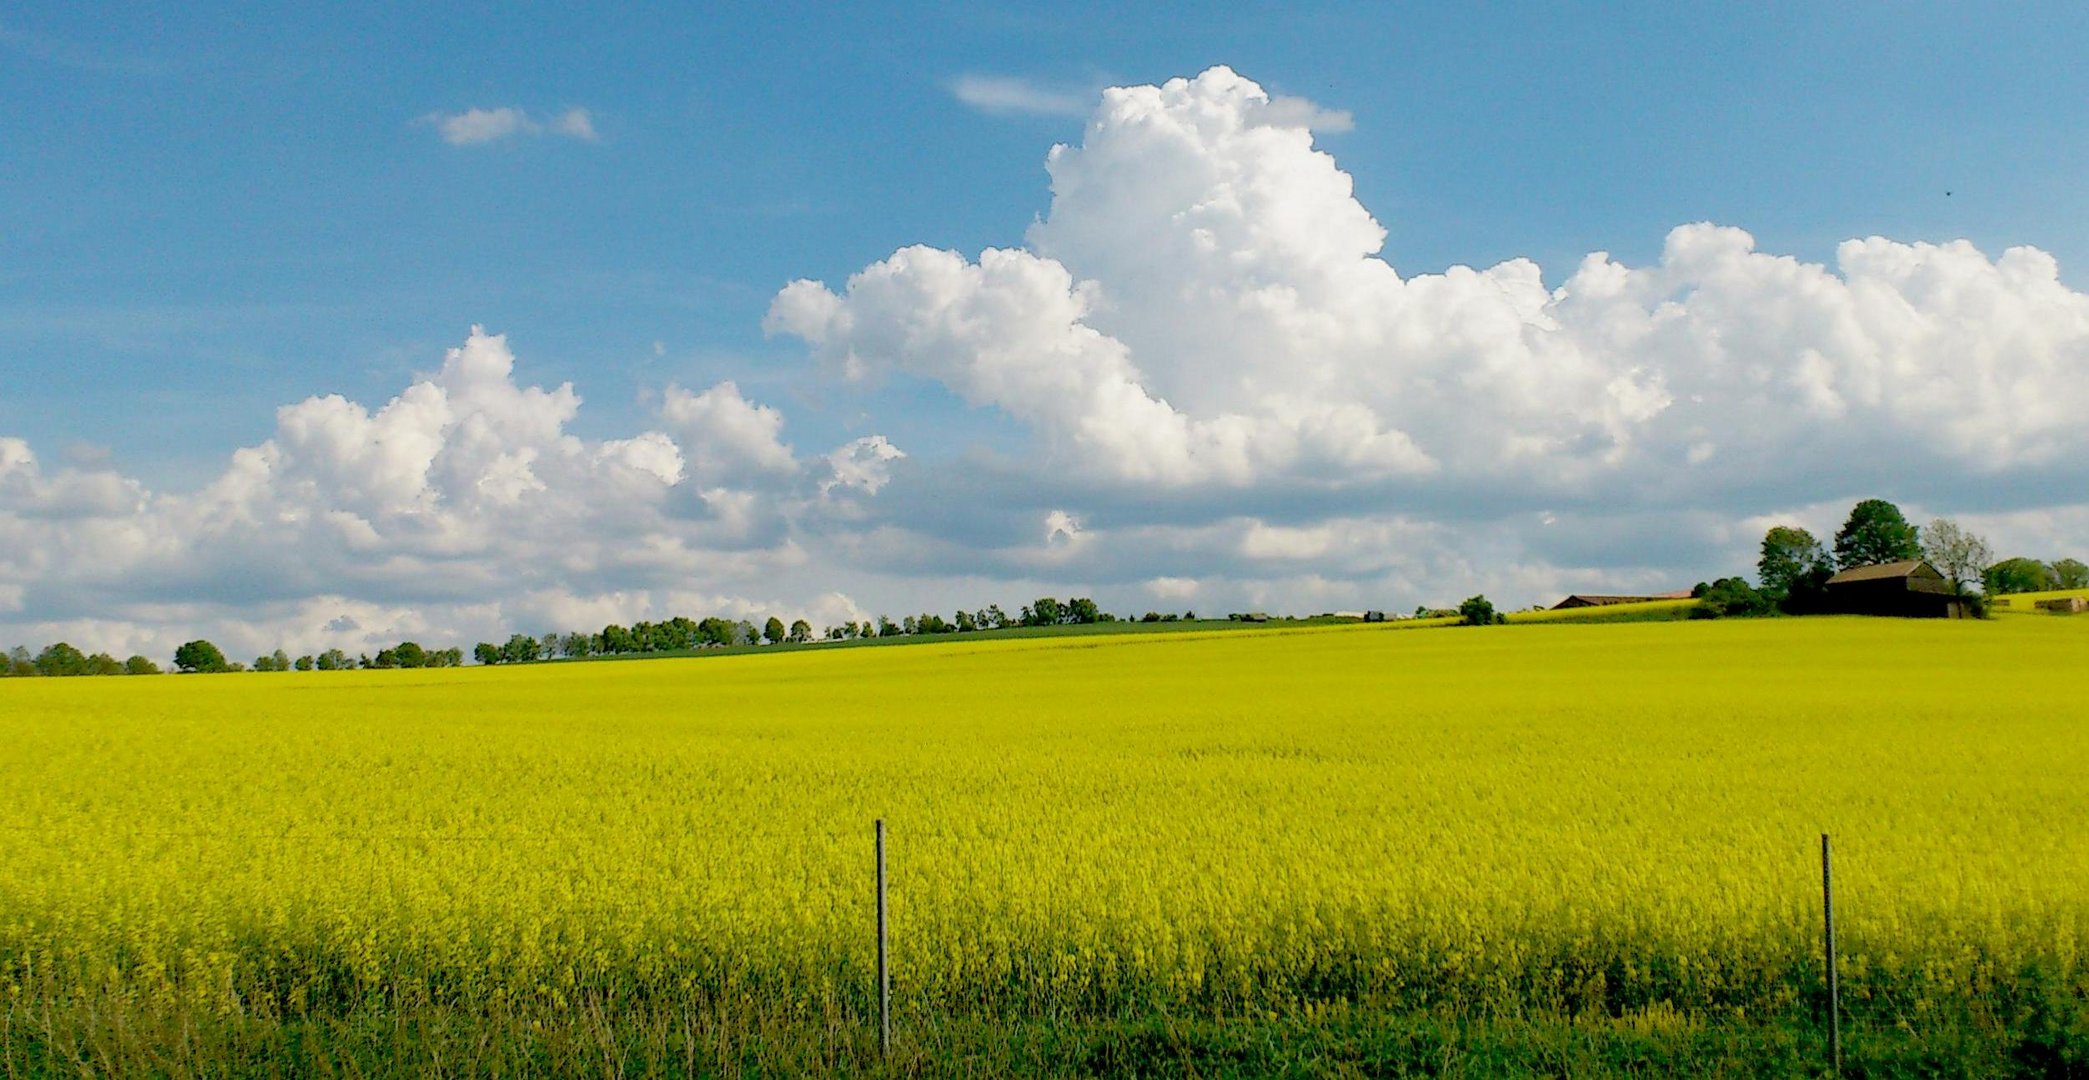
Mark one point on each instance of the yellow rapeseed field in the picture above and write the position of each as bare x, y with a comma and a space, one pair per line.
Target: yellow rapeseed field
2028, 602
1610, 817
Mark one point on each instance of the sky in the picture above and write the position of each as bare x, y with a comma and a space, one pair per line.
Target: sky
331, 328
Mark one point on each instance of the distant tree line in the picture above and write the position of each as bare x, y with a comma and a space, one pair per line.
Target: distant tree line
2022, 575
203, 657
1045, 611
683, 634
63, 659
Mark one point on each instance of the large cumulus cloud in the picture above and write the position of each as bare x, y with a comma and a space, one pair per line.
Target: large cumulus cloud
1220, 370
462, 507
1205, 305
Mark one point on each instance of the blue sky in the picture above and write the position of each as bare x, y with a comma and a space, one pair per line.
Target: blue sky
206, 215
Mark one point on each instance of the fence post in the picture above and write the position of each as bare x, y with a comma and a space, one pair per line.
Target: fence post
1828, 937
884, 965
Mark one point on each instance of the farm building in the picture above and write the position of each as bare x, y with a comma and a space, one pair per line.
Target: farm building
1580, 600
1911, 589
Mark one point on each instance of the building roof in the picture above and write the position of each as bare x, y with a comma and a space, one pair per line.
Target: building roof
1906, 568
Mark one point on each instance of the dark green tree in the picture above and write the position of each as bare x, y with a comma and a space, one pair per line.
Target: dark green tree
801, 631
774, 631
1729, 596
200, 656
61, 659
2070, 574
1477, 611
1794, 570
304, 663
1082, 609
1876, 532
334, 660
486, 652
520, 649
1047, 611
2017, 575
139, 665
411, 655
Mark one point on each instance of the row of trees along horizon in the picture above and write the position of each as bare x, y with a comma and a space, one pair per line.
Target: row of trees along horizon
678, 634
1791, 578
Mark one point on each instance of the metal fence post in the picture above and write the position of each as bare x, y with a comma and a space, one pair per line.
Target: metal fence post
884, 963
1828, 936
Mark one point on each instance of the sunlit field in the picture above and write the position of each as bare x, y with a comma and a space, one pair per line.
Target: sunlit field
1608, 824
2029, 601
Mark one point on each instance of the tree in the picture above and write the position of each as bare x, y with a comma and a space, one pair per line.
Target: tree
334, 660
411, 655
2017, 575
1794, 569
1729, 596
1956, 553
486, 652
801, 631
1477, 611
264, 662
19, 663
1875, 533
520, 649
773, 631
138, 665
1047, 611
200, 656
304, 663
2070, 574
1083, 610
61, 659
282, 660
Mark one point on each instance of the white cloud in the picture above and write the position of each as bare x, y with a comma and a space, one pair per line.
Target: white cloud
864, 465
1297, 112
475, 126
1204, 308
1004, 94
463, 506
725, 431
574, 123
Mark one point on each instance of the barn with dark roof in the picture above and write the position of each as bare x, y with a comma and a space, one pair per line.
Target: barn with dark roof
1910, 589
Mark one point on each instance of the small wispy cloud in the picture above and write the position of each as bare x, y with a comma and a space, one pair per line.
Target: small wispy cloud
1008, 94
575, 123
475, 126
1298, 112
